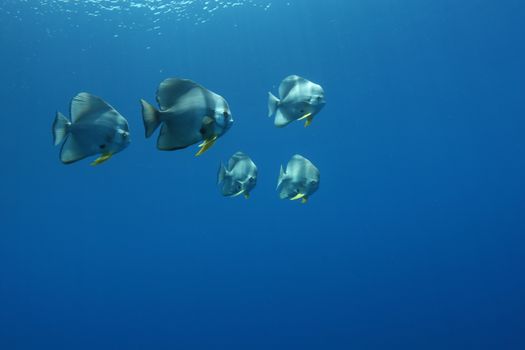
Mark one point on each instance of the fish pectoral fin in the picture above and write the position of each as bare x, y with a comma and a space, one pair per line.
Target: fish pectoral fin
207, 120
305, 116
206, 145
304, 200
308, 121
297, 196
104, 157
246, 195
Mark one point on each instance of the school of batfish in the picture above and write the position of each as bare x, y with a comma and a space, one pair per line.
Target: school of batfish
187, 114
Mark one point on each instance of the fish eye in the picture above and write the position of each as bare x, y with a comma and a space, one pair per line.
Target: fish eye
102, 146
225, 114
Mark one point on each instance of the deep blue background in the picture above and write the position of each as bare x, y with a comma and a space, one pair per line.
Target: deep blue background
415, 239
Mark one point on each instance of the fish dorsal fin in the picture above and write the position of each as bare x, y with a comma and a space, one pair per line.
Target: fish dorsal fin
84, 106
297, 158
288, 84
172, 89
239, 155
235, 159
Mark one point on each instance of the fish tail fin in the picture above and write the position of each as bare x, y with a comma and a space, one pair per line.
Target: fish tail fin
273, 104
151, 118
221, 174
281, 177
61, 127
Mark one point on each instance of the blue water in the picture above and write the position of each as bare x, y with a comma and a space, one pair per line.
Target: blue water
415, 239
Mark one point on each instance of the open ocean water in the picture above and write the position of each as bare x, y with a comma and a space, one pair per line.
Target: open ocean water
415, 239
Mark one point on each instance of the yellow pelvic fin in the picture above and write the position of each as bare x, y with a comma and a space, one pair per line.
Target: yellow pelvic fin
305, 116
297, 196
104, 157
304, 200
238, 193
308, 121
246, 195
206, 145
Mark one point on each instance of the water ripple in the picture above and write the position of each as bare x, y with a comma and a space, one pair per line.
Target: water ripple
196, 11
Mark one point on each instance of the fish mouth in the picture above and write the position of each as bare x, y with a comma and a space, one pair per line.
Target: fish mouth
320, 104
226, 126
223, 125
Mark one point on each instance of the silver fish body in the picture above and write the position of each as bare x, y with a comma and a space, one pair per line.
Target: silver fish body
95, 128
238, 177
189, 113
298, 99
300, 179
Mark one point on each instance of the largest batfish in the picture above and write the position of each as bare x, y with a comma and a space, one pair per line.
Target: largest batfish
189, 113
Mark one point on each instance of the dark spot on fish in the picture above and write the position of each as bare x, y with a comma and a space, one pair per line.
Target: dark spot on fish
102, 146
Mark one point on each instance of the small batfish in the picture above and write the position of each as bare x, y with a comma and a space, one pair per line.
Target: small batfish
240, 176
298, 99
189, 113
95, 128
299, 181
